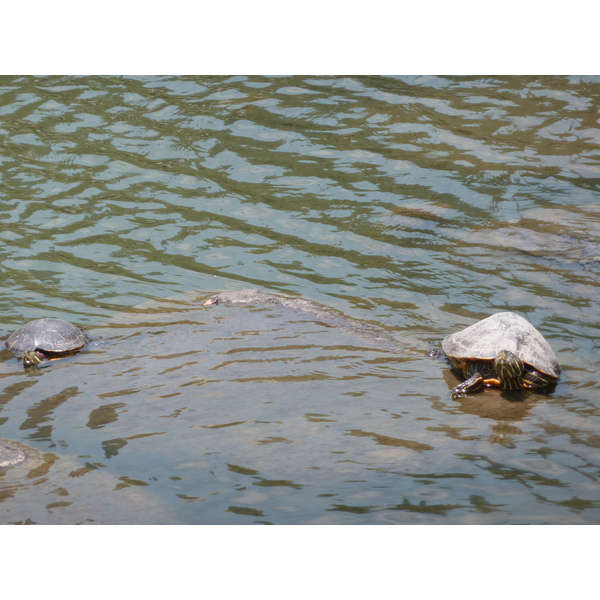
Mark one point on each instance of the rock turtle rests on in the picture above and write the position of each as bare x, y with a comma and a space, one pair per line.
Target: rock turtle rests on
46, 339
504, 351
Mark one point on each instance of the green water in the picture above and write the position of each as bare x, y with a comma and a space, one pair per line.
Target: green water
414, 205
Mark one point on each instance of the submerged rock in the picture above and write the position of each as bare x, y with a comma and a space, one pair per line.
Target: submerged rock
325, 314
11, 454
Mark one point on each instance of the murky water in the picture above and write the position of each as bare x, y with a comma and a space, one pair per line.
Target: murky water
414, 206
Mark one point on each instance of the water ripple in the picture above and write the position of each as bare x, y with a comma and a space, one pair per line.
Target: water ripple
416, 204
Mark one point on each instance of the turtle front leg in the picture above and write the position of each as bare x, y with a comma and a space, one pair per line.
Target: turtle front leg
535, 380
472, 384
31, 358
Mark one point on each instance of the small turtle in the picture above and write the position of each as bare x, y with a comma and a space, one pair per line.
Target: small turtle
46, 339
505, 351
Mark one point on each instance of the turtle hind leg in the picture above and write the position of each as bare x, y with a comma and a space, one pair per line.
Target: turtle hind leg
473, 384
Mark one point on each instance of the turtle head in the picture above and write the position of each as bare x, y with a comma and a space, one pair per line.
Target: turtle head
31, 358
509, 370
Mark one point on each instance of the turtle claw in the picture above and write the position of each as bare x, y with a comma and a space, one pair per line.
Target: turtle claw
457, 393
473, 384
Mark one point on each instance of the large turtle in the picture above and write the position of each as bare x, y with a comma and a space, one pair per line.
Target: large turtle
46, 339
505, 351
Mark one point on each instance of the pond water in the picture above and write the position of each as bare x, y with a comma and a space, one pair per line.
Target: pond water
401, 208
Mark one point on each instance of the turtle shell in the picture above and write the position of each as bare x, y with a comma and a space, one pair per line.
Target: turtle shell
53, 336
502, 331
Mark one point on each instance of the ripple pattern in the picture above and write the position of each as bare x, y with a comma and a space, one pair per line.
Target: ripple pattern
413, 204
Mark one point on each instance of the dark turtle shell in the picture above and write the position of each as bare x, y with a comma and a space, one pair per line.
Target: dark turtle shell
49, 336
502, 331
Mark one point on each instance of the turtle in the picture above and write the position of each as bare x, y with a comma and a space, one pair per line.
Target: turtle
46, 339
504, 350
